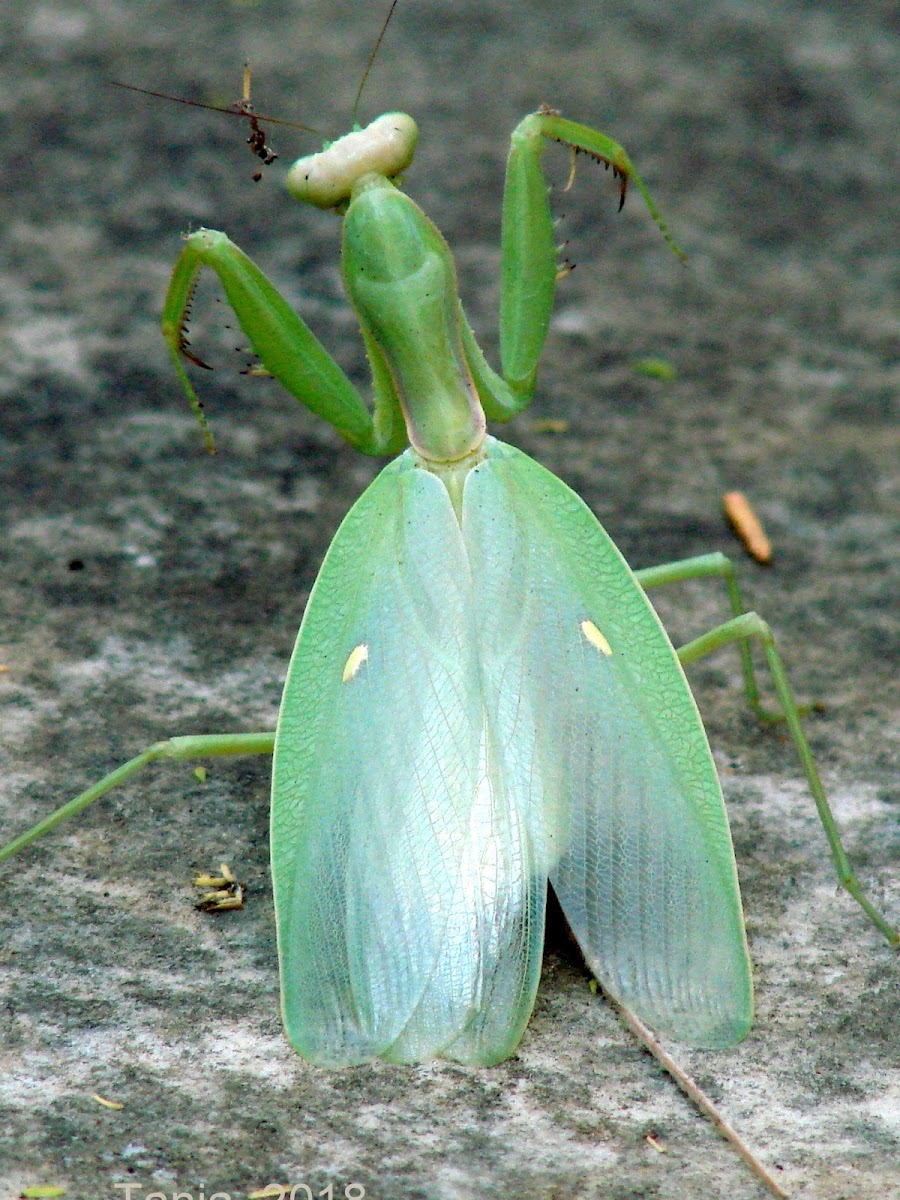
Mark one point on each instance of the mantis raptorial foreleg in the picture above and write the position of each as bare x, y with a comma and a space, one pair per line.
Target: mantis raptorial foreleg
283, 342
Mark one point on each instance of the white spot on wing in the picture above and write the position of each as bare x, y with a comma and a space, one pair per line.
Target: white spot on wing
596, 638
355, 660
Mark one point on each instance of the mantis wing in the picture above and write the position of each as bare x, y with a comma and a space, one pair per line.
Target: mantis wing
408, 896
587, 687
471, 708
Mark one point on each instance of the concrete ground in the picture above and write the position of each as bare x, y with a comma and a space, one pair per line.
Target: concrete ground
149, 590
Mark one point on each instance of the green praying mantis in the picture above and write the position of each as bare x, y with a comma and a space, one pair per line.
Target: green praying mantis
481, 699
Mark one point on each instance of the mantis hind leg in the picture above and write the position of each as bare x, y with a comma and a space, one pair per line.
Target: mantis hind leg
176, 749
717, 565
741, 629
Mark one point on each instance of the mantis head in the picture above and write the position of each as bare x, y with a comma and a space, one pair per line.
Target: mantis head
385, 147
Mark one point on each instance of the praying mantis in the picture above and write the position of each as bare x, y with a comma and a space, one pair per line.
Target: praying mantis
481, 698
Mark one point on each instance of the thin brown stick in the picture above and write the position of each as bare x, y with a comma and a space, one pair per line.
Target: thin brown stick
698, 1097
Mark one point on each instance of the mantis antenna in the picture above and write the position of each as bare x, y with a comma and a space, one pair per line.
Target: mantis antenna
372, 57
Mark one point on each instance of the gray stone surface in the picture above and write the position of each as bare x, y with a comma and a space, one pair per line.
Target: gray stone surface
766, 133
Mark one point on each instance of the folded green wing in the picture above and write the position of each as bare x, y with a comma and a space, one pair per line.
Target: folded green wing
409, 905
585, 680
468, 711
